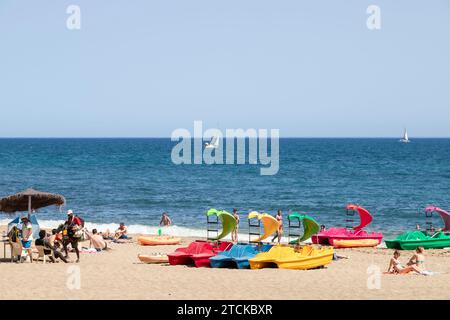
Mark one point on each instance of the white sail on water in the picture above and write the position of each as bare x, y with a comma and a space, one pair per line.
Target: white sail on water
214, 143
405, 138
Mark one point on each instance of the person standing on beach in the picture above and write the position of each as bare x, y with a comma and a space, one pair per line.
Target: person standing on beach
279, 233
72, 227
165, 220
234, 233
27, 236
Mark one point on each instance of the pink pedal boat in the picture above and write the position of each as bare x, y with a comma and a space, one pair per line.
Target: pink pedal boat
328, 236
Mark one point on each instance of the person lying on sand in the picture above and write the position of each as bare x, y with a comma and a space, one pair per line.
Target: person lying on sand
395, 266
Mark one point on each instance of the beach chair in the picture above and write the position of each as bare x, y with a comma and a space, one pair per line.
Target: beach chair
41, 254
16, 250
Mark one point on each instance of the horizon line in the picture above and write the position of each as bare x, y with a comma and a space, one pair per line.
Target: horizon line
165, 137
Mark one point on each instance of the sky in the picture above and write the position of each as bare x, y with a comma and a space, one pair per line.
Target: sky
144, 68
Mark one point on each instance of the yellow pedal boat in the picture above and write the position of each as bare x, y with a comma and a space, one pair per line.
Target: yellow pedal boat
285, 257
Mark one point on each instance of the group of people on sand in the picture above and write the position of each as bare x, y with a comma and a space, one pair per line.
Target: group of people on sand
278, 234
62, 240
56, 245
416, 263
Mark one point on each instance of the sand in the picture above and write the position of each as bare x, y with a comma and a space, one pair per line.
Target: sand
118, 274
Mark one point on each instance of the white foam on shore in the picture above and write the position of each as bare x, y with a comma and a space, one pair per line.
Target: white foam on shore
132, 229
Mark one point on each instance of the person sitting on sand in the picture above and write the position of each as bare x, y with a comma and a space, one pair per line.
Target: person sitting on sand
234, 233
165, 220
395, 266
416, 263
121, 232
96, 241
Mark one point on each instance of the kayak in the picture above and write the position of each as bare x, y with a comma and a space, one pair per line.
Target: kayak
355, 243
153, 258
158, 240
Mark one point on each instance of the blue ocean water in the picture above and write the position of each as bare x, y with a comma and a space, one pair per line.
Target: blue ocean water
134, 180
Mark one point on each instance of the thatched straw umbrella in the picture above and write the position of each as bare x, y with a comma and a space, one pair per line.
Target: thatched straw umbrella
29, 200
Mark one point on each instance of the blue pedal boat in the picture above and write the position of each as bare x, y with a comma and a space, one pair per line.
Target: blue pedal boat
238, 256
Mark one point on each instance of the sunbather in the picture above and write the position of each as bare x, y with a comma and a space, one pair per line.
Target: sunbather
96, 240
121, 232
395, 266
416, 263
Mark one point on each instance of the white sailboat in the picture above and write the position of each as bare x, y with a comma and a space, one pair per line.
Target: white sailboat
405, 138
213, 144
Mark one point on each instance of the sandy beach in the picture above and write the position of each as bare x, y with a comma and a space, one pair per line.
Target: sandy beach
118, 274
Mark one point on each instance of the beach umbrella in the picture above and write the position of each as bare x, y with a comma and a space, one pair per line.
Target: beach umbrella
30, 200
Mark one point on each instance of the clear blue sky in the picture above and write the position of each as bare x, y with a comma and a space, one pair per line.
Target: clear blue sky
144, 68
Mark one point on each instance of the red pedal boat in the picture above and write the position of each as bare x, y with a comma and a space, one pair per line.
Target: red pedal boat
197, 253
328, 236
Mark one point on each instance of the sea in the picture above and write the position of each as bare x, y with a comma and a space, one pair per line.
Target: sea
108, 181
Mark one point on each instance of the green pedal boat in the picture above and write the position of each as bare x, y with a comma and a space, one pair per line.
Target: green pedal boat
429, 239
